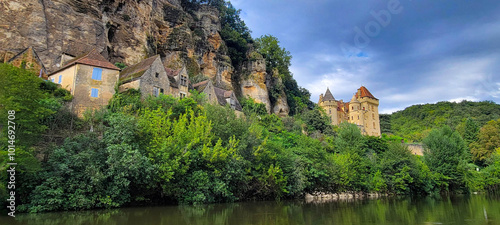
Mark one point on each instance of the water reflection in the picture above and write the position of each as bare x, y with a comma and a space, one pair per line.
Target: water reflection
476, 209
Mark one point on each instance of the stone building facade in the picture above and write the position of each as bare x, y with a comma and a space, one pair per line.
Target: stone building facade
90, 78
217, 95
362, 110
27, 59
149, 76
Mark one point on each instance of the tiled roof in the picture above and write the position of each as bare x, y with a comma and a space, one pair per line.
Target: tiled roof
137, 70
363, 92
172, 81
200, 86
222, 95
92, 58
328, 96
219, 92
172, 72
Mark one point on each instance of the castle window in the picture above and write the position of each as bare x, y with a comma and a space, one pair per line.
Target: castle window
373, 124
363, 108
373, 116
60, 79
353, 108
330, 111
358, 117
157, 74
94, 93
97, 74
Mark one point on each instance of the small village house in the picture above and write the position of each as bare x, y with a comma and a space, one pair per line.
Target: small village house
149, 76
90, 78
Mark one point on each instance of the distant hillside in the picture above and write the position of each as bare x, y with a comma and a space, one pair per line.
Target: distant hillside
416, 121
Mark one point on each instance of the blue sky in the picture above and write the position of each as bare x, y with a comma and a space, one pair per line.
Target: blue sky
405, 52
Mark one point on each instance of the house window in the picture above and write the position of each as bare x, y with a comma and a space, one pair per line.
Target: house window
52, 79
94, 93
157, 75
97, 74
209, 96
156, 91
60, 79
182, 95
161, 90
358, 117
183, 80
363, 108
330, 111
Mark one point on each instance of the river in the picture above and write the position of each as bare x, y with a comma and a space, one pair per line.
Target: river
474, 209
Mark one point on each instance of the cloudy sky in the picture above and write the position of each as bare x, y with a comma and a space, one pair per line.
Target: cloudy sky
405, 52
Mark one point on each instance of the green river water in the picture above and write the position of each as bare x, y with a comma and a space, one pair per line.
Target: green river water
474, 209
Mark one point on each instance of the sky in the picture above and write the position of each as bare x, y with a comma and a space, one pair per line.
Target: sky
405, 52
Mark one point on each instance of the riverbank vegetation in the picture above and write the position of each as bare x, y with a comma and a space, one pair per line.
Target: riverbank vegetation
165, 150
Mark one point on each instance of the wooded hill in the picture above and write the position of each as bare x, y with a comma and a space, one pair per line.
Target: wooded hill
415, 122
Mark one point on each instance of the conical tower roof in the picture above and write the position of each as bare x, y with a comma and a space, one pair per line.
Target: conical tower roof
328, 96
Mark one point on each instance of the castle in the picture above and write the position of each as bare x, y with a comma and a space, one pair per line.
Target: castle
362, 110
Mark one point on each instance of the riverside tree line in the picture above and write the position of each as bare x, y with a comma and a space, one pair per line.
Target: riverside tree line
164, 150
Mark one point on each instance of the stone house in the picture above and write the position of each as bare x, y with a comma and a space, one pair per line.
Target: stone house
149, 76
217, 95
179, 82
90, 78
27, 59
207, 87
362, 110
225, 97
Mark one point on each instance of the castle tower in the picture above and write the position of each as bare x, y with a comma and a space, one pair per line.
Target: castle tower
354, 111
368, 112
329, 104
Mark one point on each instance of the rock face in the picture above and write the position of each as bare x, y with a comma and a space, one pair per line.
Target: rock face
129, 31
254, 82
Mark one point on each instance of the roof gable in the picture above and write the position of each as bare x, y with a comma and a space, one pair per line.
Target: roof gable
363, 92
137, 70
92, 58
35, 56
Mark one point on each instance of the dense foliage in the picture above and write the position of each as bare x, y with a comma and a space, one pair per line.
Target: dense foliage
162, 150
415, 122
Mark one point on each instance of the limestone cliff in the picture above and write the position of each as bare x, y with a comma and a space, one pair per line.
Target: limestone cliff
129, 31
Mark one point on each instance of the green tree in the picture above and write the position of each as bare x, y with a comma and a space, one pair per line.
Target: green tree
488, 141
21, 91
349, 139
446, 152
471, 131
278, 61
